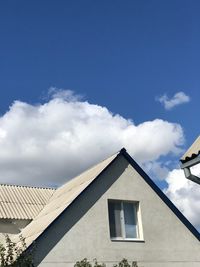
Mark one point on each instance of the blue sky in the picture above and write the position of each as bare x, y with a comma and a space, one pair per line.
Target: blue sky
122, 55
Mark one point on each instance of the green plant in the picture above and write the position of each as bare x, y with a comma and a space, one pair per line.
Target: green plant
86, 263
83, 263
12, 254
122, 263
125, 263
97, 264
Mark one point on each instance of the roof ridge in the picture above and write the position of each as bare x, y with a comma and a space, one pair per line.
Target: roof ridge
27, 186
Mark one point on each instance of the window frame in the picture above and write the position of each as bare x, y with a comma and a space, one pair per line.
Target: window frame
137, 212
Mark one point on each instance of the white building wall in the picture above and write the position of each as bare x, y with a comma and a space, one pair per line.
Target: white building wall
167, 242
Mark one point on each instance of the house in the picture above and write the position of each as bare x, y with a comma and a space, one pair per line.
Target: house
19, 205
190, 159
109, 212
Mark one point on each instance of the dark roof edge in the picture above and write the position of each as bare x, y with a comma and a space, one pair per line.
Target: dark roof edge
159, 192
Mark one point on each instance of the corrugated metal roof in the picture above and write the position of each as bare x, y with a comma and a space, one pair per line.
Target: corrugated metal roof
22, 202
61, 199
192, 152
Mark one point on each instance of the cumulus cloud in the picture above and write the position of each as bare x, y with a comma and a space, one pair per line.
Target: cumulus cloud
185, 194
178, 99
157, 169
46, 144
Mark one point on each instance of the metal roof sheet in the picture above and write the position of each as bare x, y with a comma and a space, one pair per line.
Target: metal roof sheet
22, 202
193, 151
60, 200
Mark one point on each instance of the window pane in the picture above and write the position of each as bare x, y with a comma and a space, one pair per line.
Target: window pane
114, 219
130, 220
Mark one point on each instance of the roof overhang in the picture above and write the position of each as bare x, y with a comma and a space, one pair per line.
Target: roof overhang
191, 158
191, 162
192, 153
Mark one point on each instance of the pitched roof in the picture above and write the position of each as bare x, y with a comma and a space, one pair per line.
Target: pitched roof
65, 195
61, 199
192, 152
22, 202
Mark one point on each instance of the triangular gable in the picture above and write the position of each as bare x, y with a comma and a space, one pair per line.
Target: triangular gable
160, 193
68, 193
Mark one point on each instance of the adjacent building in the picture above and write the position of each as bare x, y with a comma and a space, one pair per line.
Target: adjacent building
190, 159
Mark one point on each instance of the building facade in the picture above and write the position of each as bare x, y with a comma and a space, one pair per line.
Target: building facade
112, 211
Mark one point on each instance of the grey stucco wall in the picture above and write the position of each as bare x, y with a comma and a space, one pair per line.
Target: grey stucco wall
83, 230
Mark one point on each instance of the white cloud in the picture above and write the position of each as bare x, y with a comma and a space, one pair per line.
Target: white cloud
46, 144
178, 99
67, 95
185, 194
156, 169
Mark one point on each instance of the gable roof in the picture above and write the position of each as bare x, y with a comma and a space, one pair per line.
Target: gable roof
192, 152
61, 199
68, 193
22, 202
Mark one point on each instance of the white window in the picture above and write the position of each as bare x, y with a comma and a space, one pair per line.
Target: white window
123, 220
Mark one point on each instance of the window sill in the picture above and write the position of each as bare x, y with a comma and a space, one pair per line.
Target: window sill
127, 240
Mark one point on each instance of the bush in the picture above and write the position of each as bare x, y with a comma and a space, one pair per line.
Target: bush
122, 263
12, 255
96, 264
83, 263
